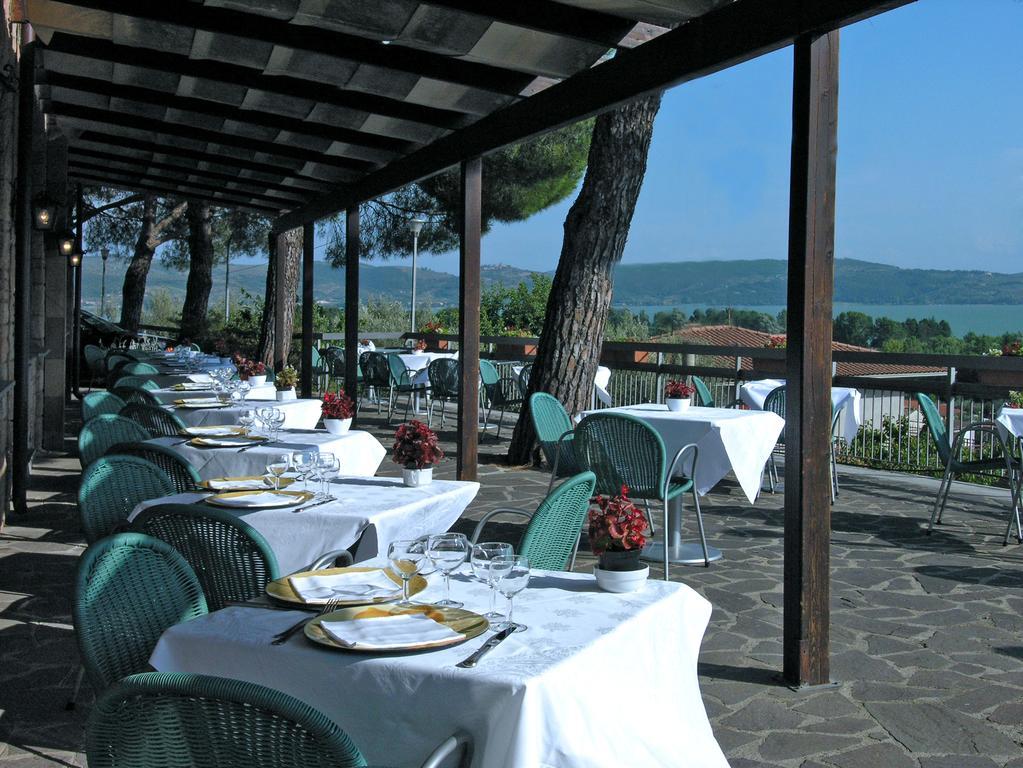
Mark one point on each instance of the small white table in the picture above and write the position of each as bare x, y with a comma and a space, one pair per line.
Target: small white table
370, 511
1010, 423
420, 361
554, 696
845, 399
298, 414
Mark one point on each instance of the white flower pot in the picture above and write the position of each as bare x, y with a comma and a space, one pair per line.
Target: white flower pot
337, 426
678, 403
286, 394
621, 581
257, 381
413, 478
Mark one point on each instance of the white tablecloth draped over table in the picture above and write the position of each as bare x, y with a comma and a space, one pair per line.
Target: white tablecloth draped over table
727, 438
168, 395
298, 414
560, 695
1010, 423
377, 509
420, 361
849, 401
359, 452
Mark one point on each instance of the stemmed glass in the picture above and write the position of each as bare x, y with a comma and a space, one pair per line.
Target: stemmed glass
243, 389
447, 551
511, 575
481, 559
276, 421
246, 419
407, 559
277, 467
304, 463
329, 467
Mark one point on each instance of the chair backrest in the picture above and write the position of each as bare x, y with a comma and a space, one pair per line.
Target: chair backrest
159, 422
139, 369
94, 357
445, 377
550, 421
112, 486
95, 403
622, 450
136, 395
231, 558
553, 530
936, 425
488, 373
775, 401
141, 382
182, 474
376, 371
114, 358
130, 588
101, 432
703, 392
524, 374
162, 719
400, 374
317, 362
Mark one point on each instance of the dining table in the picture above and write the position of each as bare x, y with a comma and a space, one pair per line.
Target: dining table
1010, 422
202, 411
418, 362
558, 695
204, 390
845, 401
366, 515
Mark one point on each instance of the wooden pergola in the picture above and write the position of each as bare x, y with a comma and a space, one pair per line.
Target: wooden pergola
302, 109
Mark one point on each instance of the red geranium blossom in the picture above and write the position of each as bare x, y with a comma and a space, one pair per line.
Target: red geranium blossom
339, 406
415, 446
617, 525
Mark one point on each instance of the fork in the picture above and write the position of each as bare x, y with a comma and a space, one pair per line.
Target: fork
282, 637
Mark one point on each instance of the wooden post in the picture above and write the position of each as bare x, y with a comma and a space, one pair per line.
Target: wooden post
470, 232
808, 393
352, 302
280, 285
308, 251
56, 304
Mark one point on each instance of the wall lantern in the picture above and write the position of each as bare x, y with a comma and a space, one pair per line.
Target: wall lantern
66, 244
75, 259
43, 214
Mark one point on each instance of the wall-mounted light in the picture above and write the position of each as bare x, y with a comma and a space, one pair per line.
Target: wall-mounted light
66, 244
43, 213
75, 259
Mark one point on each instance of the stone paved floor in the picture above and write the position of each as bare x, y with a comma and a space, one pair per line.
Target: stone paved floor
927, 631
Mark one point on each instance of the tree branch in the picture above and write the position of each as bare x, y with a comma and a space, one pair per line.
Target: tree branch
116, 204
175, 214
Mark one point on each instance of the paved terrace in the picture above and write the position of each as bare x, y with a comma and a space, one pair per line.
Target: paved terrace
927, 631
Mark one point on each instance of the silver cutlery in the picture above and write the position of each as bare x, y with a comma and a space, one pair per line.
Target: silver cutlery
282, 637
487, 647
317, 504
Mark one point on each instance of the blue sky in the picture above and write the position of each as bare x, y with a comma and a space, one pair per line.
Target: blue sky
930, 165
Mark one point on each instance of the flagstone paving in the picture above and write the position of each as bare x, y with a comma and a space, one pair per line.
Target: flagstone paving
927, 631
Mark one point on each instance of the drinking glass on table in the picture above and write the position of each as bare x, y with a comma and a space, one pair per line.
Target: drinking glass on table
511, 575
328, 467
276, 421
247, 419
277, 467
263, 417
243, 390
481, 559
447, 551
407, 558
304, 463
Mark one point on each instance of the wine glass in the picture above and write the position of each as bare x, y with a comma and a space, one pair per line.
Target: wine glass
263, 417
246, 419
304, 463
480, 560
447, 551
276, 421
406, 560
278, 467
511, 575
326, 471
243, 389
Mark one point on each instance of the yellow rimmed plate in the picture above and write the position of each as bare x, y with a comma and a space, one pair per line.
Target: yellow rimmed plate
226, 488
225, 430
200, 404
283, 499
466, 623
280, 589
217, 442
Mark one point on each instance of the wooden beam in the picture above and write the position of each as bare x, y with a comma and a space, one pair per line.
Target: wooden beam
811, 268
170, 191
352, 301
308, 270
248, 77
280, 256
730, 35
56, 314
319, 40
470, 232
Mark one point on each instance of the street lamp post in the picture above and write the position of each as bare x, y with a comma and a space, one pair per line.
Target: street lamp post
104, 253
416, 225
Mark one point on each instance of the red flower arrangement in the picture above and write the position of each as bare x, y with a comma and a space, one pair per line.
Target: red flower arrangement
433, 326
421, 345
777, 342
247, 368
415, 446
1012, 349
616, 525
339, 406
676, 388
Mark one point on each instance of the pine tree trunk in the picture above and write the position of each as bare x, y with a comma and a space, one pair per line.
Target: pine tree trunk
293, 257
134, 289
596, 229
200, 271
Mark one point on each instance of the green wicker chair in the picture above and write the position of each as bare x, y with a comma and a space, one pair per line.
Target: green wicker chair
376, 375
110, 489
551, 539
498, 392
139, 369
445, 376
159, 422
706, 397
175, 719
949, 456
623, 450
95, 358
182, 474
141, 382
130, 588
403, 382
136, 395
95, 403
555, 435
231, 558
775, 403
101, 432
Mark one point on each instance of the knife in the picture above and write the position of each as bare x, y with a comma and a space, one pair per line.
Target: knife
318, 503
486, 648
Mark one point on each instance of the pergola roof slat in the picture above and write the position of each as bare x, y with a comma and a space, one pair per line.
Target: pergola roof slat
134, 183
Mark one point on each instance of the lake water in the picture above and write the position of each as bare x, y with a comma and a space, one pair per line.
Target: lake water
988, 319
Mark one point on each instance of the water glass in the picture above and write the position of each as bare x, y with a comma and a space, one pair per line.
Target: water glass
243, 390
407, 558
276, 421
481, 558
511, 575
447, 551
330, 468
304, 463
247, 419
277, 467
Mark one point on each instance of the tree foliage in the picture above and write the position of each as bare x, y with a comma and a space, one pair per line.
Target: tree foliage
114, 218
235, 233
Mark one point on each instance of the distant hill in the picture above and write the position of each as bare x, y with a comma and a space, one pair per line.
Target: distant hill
708, 283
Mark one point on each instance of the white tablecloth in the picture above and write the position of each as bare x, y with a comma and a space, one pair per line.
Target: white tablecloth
378, 509
597, 681
298, 414
420, 361
168, 395
727, 438
848, 401
1010, 423
360, 453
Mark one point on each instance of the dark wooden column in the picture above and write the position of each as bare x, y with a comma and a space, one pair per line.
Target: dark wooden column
280, 256
308, 251
808, 395
352, 301
56, 303
470, 233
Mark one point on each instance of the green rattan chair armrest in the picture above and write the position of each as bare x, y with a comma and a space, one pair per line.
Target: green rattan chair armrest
560, 448
329, 560
675, 463
494, 513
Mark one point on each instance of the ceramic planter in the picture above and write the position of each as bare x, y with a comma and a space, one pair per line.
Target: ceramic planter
678, 403
257, 381
286, 394
621, 581
413, 478
337, 426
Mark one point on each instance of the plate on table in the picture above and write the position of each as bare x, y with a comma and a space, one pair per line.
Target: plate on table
268, 499
192, 386
281, 589
462, 625
235, 441
220, 430
242, 483
201, 402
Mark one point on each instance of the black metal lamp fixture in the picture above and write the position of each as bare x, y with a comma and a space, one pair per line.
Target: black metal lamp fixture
43, 213
75, 258
66, 244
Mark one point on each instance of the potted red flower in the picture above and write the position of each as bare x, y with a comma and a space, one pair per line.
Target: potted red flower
420, 345
432, 330
618, 532
251, 371
337, 411
678, 395
416, 450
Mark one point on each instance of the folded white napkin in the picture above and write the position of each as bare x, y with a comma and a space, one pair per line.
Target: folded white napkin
240, 485
226, 442
199, 402
203, 377
260, 500
359, 585
387, 632
186, 386
214, 431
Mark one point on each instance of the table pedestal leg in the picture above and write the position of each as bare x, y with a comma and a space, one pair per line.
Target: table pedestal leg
683, 554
